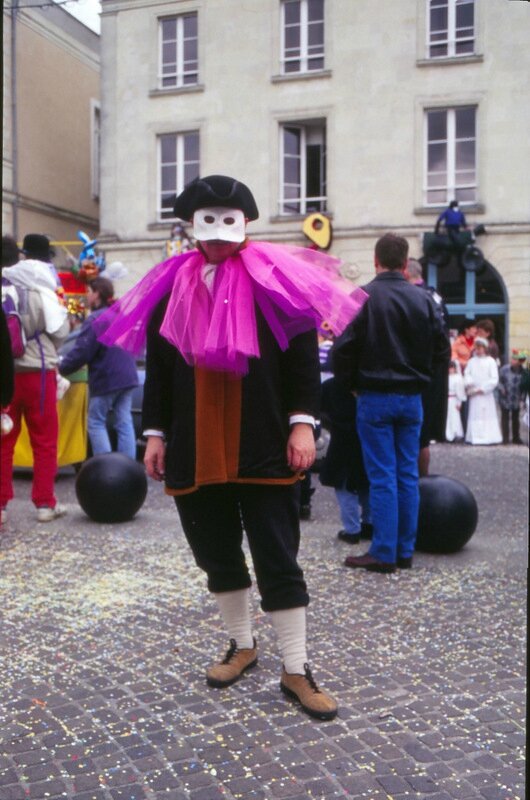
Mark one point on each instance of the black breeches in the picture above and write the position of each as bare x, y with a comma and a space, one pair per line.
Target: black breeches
214, 518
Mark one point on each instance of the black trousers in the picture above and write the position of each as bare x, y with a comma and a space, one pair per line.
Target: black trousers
214, 518
505, 423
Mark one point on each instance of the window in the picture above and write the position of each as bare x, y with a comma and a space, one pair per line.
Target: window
95, 145
303, 168
451, 156
178, 51
178, 165
451, 28
302, 35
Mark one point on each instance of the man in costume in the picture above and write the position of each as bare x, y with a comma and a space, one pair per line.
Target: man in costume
231, 396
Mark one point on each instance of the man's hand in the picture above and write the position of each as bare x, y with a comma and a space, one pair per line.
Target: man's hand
301, 450
155, 457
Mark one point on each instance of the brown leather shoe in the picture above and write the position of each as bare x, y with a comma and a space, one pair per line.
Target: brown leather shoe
370, 563
233, 665
313, 700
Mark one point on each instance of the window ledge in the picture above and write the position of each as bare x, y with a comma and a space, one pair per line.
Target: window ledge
196, 87
166, 225
302, 76
297, 217
449, 61
472, 208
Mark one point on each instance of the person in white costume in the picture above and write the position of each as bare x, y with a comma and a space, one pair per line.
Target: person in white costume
481, 377
456, 396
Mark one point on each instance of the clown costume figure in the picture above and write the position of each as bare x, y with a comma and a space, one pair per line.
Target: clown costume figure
231, 396
481, 377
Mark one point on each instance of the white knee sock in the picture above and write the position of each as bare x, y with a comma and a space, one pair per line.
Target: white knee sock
235, 611
290, 628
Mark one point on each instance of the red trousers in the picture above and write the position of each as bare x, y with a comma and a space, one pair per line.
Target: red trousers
40, 413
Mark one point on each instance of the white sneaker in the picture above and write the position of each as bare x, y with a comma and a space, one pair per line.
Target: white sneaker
47, 514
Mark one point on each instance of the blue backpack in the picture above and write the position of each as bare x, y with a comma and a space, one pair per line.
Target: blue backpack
11, 303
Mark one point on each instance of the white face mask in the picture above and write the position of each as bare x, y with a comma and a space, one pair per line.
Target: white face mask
216, 222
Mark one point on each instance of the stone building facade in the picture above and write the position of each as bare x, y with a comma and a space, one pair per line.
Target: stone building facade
376, 115
50, 177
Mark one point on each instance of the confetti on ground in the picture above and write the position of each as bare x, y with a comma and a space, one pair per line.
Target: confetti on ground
107, 631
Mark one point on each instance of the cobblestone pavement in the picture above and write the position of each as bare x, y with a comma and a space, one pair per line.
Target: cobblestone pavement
107, 631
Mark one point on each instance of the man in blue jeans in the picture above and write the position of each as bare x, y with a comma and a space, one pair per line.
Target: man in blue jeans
387, 356
112, 377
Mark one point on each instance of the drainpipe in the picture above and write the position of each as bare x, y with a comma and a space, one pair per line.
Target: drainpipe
14, 135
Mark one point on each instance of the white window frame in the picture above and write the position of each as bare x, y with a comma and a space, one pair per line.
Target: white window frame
95, 148
179, 164
303, 200
180, 73
304, 56
451, 188
452, 40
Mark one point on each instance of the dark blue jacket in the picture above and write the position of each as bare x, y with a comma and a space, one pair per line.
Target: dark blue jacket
452, 218
109, 368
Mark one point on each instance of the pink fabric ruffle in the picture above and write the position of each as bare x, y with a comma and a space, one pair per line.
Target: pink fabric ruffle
295, 288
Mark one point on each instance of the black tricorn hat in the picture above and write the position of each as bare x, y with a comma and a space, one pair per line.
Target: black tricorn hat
37, 246
215, 190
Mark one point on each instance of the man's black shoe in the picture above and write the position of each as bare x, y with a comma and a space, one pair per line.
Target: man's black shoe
305, 512
349, 538
404, 563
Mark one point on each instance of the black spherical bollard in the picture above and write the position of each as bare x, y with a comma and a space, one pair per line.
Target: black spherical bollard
111, 487
448, 515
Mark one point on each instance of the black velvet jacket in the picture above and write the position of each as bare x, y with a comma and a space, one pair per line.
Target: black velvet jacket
242, 423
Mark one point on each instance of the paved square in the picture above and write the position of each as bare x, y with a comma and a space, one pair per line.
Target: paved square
107, 630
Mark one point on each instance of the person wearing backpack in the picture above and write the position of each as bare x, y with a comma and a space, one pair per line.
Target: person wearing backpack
7, 385
31, 285
112, 377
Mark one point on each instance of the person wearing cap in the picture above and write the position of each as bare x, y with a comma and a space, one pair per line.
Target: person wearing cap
511, 396
33, 290
481, 377
486, 330
37, 247
231, 396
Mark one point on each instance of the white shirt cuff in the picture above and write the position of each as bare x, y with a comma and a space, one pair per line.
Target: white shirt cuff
307, 418
153, 432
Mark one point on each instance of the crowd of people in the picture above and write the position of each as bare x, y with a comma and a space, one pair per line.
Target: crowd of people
482, 390
233, 396
33, 378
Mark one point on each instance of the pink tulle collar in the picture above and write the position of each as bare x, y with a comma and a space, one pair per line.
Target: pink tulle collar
296, 289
